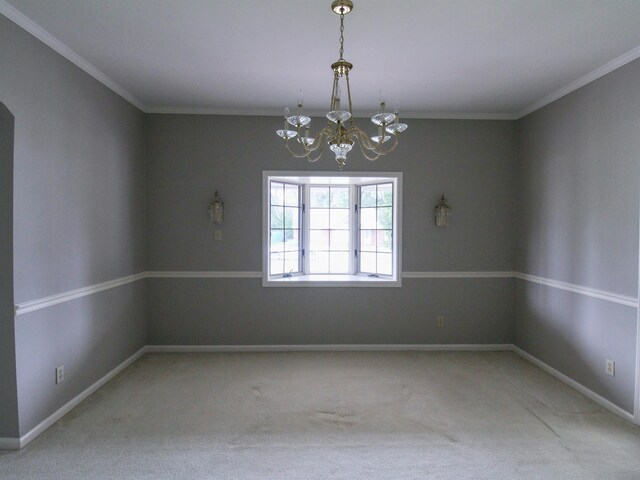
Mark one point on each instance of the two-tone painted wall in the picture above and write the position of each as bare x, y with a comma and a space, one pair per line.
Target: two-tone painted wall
190, 156
102, 191
578, 186
78, 219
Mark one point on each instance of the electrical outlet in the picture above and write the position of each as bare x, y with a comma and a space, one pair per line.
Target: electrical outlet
217, 235
59, 374
440, 322
611, 367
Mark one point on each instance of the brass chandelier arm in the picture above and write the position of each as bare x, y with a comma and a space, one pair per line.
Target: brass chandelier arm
366, 153
334, 92
317, 157
317, 141
295, 154
370, 145
308, 150
306, 155
349, 96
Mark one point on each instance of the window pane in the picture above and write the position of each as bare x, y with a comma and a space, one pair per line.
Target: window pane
319, 197
277, 217
339, 262
277, 193
339, 197
385, 195
340, 240
291, 196
367, 262
319, 240
276, 266
368, 240
291, 217
384, 264
319, 262
385, 218
384, 241
368, 196
291, 263
339, 219
277, 241
367, 218
319, 218
291, 240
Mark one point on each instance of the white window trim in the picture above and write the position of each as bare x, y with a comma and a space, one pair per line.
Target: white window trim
356, 280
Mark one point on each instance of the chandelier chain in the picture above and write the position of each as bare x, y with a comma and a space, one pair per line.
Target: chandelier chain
341, 36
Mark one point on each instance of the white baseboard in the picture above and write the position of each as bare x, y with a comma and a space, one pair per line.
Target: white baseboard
21, 442
600, 400
326, 348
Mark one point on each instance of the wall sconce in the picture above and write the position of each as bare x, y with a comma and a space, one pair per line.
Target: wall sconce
442, 213
216, 210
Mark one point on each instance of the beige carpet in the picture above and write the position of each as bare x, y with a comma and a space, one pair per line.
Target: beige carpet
323, 416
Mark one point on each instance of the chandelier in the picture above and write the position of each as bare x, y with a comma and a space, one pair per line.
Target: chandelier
341, 132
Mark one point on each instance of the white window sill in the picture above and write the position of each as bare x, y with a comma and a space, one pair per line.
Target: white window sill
330, 281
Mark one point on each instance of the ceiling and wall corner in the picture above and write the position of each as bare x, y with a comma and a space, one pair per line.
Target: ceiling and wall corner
537, 48
637, 400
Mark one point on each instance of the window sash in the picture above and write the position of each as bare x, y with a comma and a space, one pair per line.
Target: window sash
338, 261
376, 229
285, 223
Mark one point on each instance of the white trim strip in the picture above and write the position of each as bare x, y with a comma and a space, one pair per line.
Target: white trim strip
609, 67
45, 302
40, 303
600, 400
23, 441
588, 291
458, 274
204, 274
45, 37
326, 348
213, 274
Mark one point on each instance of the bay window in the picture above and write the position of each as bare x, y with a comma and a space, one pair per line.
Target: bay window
324, 229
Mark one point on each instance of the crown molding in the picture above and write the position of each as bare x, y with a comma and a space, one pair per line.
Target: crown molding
609, 67
45, 37
319, 113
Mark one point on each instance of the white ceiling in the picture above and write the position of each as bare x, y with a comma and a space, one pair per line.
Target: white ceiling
466, 58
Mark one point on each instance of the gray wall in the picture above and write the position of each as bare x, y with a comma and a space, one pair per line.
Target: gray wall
8, 388
192, 156
79, 219
577, 203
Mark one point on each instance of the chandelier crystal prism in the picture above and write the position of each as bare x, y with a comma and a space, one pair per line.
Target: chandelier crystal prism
341, 132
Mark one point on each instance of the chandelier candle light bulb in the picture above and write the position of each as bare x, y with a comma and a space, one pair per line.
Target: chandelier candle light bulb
338, 134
